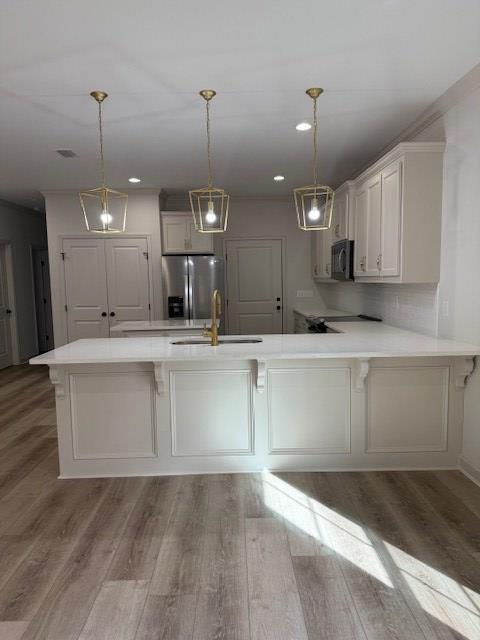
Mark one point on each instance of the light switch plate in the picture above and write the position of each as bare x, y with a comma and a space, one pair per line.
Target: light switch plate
304, 293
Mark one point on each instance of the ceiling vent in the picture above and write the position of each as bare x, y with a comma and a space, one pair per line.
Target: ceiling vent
66, 153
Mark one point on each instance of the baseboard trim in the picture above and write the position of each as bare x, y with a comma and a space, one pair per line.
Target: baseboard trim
469, 470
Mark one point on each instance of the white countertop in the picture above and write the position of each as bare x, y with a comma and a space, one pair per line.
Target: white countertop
173, 324
355, 340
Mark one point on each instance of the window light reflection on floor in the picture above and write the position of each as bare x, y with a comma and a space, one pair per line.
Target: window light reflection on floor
440, 596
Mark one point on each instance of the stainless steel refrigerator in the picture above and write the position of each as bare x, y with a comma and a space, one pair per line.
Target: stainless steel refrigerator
188, 284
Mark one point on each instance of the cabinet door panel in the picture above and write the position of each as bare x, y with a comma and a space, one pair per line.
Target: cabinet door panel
86, 288
374, 212
361, 203
198, 242
339, 217
174, 230
391, 217
128, 279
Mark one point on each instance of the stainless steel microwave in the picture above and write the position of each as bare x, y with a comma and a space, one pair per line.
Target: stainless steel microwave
342, 260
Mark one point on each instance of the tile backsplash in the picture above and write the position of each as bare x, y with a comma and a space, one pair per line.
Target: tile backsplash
409, 306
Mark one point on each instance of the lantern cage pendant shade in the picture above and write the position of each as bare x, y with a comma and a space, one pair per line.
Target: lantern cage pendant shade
210, 204
104, 209
314, 202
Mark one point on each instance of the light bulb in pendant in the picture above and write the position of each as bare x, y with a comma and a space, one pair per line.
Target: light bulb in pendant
211, 216
105, 217
314, 213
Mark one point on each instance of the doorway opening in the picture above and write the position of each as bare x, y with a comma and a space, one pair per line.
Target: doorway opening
8, 318
43, 305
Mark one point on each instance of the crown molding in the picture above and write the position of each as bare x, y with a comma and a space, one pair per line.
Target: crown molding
468, 84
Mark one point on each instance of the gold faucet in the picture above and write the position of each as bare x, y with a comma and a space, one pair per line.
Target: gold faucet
216, 313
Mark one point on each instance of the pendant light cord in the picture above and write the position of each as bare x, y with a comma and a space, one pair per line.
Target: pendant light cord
315, 141
210, 179
100, 131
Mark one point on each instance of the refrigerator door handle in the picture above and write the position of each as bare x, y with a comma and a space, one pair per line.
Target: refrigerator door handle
188, 309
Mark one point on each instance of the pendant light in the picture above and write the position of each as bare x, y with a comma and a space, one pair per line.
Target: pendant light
105, 209
314, 203
209, 205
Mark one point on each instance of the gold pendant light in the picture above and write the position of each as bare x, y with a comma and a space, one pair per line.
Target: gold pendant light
105, 209
314, 203
209, 204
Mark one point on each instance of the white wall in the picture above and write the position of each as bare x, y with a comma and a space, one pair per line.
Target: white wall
454, 118
23, 228
65, 217
412, 307
271, 218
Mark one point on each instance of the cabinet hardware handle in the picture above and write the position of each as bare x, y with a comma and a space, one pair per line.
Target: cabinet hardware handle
278, 307
8, 311
112, 314
104, 314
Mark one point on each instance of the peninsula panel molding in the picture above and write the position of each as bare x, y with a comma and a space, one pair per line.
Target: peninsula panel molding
211, 412
396, 394
113, 415
309, 410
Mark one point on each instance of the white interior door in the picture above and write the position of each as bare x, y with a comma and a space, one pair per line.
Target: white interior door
255, 287
86, 288
127, 279
5, 327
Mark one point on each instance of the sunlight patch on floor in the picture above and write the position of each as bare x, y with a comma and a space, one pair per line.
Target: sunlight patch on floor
440, 596
340, 534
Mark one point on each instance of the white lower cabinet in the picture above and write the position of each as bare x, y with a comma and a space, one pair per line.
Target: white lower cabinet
226, 416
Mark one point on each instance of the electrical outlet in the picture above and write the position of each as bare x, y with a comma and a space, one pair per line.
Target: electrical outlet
445, 308
304, 293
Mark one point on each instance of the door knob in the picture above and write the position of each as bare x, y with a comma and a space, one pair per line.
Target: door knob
104, 314
112, 313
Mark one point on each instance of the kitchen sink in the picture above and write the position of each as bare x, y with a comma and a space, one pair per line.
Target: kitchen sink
206, 341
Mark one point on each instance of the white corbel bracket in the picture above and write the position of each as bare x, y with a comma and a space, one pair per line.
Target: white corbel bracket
160, 381
261, 374
58, 379
463, 369
360, 373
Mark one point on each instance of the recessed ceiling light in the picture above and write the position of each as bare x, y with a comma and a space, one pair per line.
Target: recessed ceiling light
135, 180
279, 178
303, 126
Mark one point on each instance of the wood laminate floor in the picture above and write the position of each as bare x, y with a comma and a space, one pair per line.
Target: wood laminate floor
290, 556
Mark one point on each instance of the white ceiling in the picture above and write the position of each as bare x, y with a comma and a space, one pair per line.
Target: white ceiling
381, 63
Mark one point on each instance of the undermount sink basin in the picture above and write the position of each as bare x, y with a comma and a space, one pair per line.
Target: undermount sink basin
206, 341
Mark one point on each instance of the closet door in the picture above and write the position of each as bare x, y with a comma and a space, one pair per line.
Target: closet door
86, 288
127, 279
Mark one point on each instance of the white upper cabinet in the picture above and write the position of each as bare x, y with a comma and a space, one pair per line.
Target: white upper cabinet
391, 215
397, 216
339, 230
180, 236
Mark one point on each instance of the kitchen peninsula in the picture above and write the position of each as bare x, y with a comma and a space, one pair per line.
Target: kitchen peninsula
367, 396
